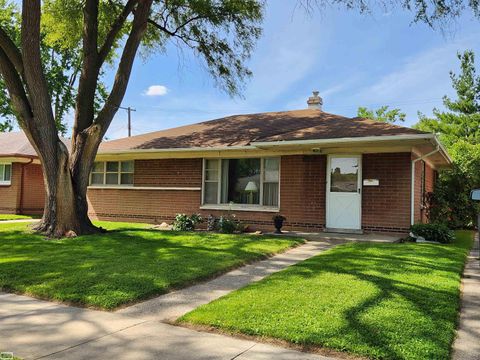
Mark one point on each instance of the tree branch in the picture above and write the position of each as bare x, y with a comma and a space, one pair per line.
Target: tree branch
16, 90
11, 50
34, 76
173, 33
139, 26
84, 109
115, 29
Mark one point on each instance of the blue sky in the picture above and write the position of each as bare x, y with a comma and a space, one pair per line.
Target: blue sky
353, 60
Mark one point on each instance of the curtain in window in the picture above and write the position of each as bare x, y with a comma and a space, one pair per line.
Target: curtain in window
271, 168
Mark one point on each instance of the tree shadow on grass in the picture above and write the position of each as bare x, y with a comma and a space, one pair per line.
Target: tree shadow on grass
392, 274
121, 266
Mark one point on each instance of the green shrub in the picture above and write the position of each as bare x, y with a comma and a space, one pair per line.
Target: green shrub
227, 224
184, 222
434, 232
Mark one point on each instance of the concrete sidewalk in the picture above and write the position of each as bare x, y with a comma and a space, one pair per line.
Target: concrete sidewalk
467, 343
34, 329
19, 221
171, 306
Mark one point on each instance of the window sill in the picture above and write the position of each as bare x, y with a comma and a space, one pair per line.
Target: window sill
5, 183
239, 207
131, 187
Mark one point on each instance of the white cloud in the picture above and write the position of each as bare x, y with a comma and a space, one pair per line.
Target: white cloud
156, 90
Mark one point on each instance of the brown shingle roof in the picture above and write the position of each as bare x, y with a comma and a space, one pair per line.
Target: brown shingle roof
16, 144
244, 129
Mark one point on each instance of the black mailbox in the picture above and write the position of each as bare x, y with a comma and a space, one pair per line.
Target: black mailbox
475, 195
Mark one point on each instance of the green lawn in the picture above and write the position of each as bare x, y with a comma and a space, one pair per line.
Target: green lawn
125, 265
385, 301
4, 217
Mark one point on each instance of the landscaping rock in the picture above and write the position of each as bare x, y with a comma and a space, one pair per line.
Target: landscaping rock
163, 226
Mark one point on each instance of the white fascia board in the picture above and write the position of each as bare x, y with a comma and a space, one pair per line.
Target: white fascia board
173, 150
344, 140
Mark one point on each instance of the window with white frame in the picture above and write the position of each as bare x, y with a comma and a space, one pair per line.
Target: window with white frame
249, 181
112, 173
5, 174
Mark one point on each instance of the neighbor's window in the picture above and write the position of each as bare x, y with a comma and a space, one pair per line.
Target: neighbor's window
242, 181
111, 173
5, 174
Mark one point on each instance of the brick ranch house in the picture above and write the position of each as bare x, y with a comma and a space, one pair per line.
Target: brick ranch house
21, 178
321, 171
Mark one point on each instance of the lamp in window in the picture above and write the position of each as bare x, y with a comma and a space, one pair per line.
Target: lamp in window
250, 189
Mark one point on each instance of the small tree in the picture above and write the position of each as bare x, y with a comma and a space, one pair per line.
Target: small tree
382, 114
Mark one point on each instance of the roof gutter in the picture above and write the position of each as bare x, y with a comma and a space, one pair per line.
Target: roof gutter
344, 140
22, 185
412, 181
169, 150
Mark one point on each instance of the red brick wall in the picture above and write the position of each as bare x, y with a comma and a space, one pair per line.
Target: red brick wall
33, 190
10, 194
386, 207
168, 172
302, 193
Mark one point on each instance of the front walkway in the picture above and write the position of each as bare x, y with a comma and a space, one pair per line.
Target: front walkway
171, 306
467, 343
35, 329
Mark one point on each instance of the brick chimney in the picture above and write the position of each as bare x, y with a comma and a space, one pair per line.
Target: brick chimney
315, 101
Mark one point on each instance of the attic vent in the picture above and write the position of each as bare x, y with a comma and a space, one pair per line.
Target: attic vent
315, 101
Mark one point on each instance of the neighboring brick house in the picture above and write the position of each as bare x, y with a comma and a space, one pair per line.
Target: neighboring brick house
321, 171
21, 179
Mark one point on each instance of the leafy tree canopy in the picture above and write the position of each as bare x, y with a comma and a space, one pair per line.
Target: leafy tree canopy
382, 114
461, 121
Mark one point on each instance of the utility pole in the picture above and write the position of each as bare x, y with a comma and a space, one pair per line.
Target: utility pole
129, 111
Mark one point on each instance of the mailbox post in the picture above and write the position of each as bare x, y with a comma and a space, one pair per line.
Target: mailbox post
475, 195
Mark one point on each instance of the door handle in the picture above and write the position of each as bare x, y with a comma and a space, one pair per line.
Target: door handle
359, 190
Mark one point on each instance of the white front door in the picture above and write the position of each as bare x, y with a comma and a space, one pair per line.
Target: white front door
344, 199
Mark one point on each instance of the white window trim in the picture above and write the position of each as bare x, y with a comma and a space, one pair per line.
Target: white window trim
119, 176
6, 182
241, 207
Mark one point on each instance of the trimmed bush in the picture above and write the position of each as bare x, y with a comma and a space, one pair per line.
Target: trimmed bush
227, 224
184, 222
434, 232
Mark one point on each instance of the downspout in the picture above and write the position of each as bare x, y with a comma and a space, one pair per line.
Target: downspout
412, 183
22, 180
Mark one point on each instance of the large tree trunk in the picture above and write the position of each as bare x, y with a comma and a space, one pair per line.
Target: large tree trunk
66, 174
66, 181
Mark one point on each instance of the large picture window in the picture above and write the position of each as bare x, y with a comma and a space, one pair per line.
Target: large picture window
5, 174
112, 173
250, 181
